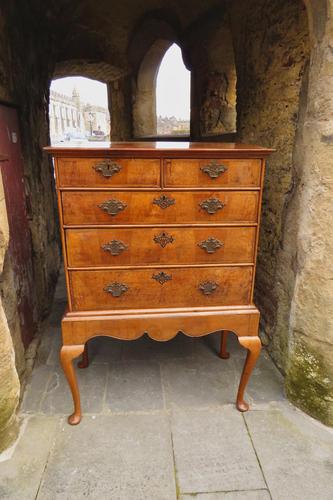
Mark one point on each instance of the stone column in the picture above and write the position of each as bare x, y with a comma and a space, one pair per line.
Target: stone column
309, 377
9, 381
120, 105
213, 82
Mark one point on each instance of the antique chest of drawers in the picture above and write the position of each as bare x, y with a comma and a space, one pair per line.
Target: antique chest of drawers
159, 238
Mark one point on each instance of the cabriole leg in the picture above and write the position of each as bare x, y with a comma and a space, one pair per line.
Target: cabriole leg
224, 354
67, 354
253, 346
84, 362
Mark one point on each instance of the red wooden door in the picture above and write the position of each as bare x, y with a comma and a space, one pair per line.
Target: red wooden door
20, 247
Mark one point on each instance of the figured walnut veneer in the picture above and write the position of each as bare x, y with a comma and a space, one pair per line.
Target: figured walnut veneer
159, 238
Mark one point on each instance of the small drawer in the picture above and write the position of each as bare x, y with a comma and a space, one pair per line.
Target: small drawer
108, 172
212, 173
157, 246
156, 288
178, 207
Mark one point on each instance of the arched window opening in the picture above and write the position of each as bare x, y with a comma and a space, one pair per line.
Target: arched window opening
173, 92
78, 111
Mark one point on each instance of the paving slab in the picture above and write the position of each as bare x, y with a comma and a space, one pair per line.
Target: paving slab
213, 452
126, 457
180, 346
198, 382
209, 346
35, 389
58, 399
230, 495
295, 452
20, 476
53, 357
104, 350
134, 386
266, 382
45, 345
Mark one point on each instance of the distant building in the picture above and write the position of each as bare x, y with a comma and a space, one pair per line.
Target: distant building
172, 126
70, 118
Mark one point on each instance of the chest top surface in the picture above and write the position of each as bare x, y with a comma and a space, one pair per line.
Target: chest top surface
157, 149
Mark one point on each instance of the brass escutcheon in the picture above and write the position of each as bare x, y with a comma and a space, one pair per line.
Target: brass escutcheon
115, 247
107, 168
212, 205
116, 289
163, 239
112, 207
210, 245
162, 277
213, 169
163, 201
208, 287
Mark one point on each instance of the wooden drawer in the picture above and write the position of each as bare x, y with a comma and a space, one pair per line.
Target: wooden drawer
126, 207
157, 246
107, 172
212, 173
150, 288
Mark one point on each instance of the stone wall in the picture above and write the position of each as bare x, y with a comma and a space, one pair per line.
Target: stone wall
272, 51
24, 81
209, 48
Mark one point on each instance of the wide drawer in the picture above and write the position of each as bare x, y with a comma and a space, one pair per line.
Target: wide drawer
108, 172
150, 288
130, 207
156, 246
212, 173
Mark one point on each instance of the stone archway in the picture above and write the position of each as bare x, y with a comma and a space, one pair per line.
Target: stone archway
144, 105
296, 243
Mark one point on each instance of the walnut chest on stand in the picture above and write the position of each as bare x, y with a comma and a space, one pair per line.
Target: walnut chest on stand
159, 238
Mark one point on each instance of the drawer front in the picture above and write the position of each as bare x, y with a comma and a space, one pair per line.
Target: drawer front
126, 207
150, 288
108, 172
212, 173
157, 246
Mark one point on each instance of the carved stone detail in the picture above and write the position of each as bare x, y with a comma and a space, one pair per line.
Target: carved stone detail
163, 239
213, 169
107, 168
212, 205
162, 277
112, 207
210, 245
163, 201
208, 287
116, 289
115, 247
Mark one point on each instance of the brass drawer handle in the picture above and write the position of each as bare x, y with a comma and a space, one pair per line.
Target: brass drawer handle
115, 247
163, 239
112, 207
208, 287
107, 168
212, 205
213, 169
163, 201
162, 277
210, 245
116, 289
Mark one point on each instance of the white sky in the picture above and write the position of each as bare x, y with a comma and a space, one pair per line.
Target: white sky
172, 87
91, 91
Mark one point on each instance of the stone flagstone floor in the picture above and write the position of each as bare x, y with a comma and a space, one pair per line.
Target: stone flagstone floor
159, 424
